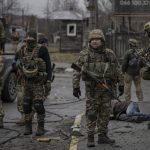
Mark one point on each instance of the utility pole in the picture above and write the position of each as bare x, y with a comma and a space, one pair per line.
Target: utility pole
93, 9
22, 17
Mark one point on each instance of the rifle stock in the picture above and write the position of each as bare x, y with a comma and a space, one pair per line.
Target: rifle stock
94, 77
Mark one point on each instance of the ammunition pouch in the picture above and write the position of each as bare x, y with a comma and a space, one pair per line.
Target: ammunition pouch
42, 76
145, 73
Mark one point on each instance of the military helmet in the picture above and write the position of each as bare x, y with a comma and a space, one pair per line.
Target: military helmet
96, 34
133, 42
147, 27
32, 34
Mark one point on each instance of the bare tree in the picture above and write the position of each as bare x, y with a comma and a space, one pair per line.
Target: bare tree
9, 6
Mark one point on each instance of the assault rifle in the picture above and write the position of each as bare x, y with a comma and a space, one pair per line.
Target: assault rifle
52, 70
94, 77
142, 59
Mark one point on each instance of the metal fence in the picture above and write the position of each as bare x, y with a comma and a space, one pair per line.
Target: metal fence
118, 42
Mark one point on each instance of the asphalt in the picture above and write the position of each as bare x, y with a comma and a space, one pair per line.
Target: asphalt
128, 136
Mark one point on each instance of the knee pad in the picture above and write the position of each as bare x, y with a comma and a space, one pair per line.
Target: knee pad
27, 108
39, 107
92, 115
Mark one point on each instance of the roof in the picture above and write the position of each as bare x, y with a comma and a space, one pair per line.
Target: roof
66, 15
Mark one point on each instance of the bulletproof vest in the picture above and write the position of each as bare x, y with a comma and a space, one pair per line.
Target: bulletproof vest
32, 65
101, 64
134, 61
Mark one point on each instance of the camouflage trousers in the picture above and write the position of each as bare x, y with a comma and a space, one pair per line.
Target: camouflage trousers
1, 110
1, 106
34, 96
127, 87
98, 108
20, 91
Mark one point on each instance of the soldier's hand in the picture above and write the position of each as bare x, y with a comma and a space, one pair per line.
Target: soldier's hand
121, 90
76, 92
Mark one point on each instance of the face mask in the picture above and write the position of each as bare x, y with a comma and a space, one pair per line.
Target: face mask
31, 44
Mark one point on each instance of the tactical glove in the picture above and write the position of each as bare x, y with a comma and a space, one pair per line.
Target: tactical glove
121, 90
76, 92
47, 87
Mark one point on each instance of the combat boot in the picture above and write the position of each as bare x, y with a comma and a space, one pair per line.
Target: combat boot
1, 122
104, 139
40, 129
90, 141
21, 122
28, 128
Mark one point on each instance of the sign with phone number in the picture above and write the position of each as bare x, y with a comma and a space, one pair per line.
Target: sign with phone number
131, 6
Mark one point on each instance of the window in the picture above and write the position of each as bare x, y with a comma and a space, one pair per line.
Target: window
71, 30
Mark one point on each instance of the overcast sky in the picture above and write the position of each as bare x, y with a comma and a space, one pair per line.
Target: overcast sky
35, 7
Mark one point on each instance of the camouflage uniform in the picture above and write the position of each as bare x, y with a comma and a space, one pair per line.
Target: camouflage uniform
15, 39
145, 72
1, 67
131, 69
103, 62
20, 83
147, 52
34, 89
2, 36
1, 108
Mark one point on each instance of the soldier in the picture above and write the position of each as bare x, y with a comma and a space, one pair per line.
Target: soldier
101, 61
20, 83
2, 37
131, 70
147, 51
1, 107
1, 67
15, 39
36, 68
